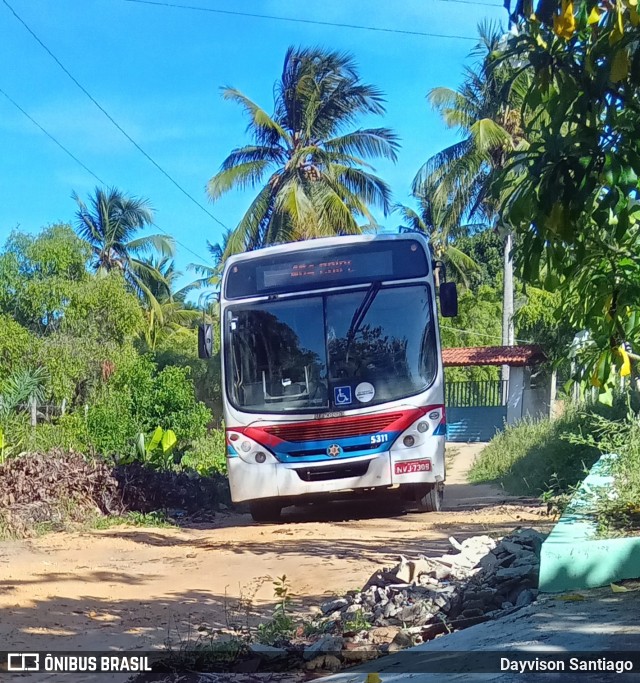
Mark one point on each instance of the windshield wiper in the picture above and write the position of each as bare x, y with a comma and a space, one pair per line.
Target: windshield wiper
361, 312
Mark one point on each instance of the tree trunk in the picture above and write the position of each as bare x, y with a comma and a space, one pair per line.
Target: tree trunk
508, 335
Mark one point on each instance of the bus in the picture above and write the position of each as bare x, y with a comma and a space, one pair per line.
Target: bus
332, 371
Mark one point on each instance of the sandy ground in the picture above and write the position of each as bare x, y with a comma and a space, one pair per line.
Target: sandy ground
132, 588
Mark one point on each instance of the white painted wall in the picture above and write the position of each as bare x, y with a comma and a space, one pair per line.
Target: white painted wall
537, 401
515, 395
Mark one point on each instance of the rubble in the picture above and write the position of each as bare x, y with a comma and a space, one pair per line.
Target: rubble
424, 597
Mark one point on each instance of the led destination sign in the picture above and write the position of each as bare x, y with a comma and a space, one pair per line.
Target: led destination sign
318, 268
380, 264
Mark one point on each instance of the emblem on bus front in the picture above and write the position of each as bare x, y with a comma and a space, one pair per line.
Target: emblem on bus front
334, 450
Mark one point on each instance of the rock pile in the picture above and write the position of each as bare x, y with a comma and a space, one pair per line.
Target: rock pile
425, 596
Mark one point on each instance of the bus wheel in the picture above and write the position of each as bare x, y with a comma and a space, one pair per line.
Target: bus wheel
429, 498
266, 511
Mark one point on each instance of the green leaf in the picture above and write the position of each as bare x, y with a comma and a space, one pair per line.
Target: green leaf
156, 439
168, 442
140, 446
606, 397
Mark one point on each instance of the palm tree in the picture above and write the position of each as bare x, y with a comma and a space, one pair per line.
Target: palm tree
210, 274
442, 247
458, 179
318, 181
109, 224
23, 386
171, 312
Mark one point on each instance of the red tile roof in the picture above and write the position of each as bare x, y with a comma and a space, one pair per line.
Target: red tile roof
515, 356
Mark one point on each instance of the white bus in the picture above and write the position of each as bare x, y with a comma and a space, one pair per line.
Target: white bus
332, 371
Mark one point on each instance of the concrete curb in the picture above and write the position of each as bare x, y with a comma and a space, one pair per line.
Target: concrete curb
571, 557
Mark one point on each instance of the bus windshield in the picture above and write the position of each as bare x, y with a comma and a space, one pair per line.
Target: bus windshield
336, 351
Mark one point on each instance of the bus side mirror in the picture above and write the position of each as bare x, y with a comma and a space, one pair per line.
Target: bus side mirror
205, 341
448, 300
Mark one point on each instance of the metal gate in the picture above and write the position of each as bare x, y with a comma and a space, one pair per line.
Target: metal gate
475, 410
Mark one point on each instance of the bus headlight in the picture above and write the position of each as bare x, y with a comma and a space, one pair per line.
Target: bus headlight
430, 423
249, 450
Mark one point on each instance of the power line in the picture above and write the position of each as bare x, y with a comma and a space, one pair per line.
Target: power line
480, 334
86, 168
308, 21
113, 121
48, 134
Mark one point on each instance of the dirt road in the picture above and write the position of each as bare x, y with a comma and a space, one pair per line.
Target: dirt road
132, 588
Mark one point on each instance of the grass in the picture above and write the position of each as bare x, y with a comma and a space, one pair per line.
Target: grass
70, 517
550, 458
358, 622
619, 514
530, 458
139, 519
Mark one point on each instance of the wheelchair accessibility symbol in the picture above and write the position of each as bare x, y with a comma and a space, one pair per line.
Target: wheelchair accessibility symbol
342, 396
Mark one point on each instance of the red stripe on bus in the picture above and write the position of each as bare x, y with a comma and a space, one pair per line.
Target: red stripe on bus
334, 428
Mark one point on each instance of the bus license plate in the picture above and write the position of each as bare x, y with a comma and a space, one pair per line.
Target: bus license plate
413, 466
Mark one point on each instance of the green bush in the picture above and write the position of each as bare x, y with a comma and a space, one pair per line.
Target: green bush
139, 400
174, 405
111, 425
618, 514
207, 455
533, 457
68, 432
162, 399
18, 346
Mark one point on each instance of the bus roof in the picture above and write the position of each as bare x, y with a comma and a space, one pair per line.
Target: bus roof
318, 243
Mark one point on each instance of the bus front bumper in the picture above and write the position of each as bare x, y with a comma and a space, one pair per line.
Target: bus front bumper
422, 465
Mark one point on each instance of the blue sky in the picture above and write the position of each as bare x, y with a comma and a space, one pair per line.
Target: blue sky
158, 71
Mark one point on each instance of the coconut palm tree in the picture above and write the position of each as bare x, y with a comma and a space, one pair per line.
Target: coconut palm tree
458, 179
210, 274
309, 164
426, 220
171, 312
110, 224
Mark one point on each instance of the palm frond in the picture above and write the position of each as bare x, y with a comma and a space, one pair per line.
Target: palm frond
164, 244
267, 131
293, 201
438, 163
241, 155
246, 174
489, 135
370, 142
367, 187
248, 233
412, 218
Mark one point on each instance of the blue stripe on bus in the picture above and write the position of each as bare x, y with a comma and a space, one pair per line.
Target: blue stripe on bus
440, 430
231, 451
283, 450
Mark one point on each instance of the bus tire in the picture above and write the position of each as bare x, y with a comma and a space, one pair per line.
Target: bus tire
429, 498
266, 511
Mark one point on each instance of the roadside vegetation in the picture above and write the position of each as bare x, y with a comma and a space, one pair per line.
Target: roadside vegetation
546, 457
549, 459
